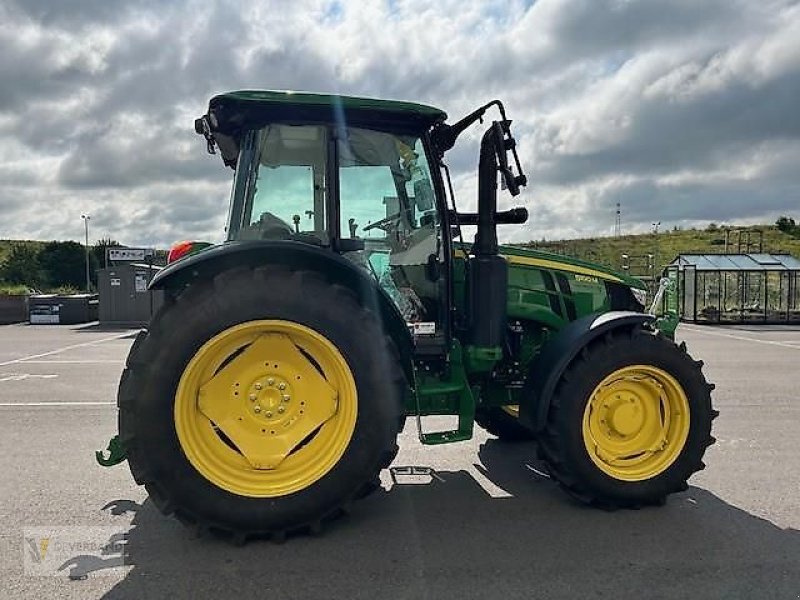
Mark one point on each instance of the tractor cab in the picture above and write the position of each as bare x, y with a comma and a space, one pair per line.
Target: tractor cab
364, 193
358, 177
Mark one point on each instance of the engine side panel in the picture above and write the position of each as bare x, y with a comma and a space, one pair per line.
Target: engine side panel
546, 294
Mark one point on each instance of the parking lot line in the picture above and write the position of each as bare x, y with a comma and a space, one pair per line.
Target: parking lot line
24, 376
64, 349
75, 362
740, 337
25, 404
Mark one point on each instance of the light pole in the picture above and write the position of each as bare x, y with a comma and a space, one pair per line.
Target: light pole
655, 250
86, 230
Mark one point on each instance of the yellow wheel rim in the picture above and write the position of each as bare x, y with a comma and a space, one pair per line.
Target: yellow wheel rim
636, 423
266, 408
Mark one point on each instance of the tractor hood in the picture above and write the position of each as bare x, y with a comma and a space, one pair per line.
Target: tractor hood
537, 258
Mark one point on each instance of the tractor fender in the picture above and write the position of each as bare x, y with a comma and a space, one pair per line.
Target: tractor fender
556, 355
296, 255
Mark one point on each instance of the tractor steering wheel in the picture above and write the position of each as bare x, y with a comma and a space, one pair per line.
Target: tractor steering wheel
382, 223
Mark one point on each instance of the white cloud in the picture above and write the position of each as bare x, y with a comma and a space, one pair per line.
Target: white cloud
680, 110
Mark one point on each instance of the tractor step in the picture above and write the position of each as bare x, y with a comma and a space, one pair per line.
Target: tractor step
466, 421
445, 437
455, 385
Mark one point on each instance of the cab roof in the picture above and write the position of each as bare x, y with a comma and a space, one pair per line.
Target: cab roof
288, 105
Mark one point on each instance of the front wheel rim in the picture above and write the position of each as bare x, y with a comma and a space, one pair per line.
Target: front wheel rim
636, 423
266, 408
511, 410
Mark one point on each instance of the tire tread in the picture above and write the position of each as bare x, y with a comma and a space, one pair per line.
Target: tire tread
144, 353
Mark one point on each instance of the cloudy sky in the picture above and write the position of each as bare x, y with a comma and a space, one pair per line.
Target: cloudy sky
684, 111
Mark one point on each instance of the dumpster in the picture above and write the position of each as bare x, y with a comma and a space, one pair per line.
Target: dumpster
58, 309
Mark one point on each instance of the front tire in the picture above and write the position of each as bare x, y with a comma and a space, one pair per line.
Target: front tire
254, 407
629, 421
503, 422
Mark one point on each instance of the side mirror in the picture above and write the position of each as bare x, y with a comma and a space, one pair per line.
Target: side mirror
503, 143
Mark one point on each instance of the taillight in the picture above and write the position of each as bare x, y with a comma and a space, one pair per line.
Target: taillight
179, 250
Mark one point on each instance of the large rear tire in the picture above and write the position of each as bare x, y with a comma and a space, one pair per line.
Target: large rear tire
261, 403
629, 422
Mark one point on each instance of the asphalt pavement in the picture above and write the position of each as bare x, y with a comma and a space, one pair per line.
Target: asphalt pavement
488, 526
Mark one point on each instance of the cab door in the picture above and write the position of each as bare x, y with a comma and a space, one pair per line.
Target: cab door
387, 203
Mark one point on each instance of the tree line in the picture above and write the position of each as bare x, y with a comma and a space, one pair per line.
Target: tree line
787, 225
53, 265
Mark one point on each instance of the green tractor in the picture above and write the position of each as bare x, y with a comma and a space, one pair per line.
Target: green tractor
268, 392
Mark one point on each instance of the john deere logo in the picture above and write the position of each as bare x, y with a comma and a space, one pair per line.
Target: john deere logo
37, 548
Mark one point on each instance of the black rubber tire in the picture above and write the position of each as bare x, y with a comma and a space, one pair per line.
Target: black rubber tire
504, 426
160, 354
561, 443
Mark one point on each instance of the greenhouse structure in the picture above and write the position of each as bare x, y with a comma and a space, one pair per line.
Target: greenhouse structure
737, 288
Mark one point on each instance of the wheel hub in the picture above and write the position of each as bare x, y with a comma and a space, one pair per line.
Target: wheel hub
266, 408
251, 400
636, 422
269, 397
625, 418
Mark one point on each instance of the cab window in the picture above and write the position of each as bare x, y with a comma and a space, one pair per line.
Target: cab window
286, 191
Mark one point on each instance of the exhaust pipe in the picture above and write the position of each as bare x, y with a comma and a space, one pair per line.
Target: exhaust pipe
487, 271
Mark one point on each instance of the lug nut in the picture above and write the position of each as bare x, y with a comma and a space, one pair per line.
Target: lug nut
268, 414
270, 381
286, 398
282, 386
281, 409
253, 397
257, 408
258, 386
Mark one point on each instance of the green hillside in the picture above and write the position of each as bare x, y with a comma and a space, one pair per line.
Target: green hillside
5, 246
609, 251
667, 245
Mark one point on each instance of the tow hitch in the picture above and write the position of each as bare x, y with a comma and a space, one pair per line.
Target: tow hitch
116, 453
